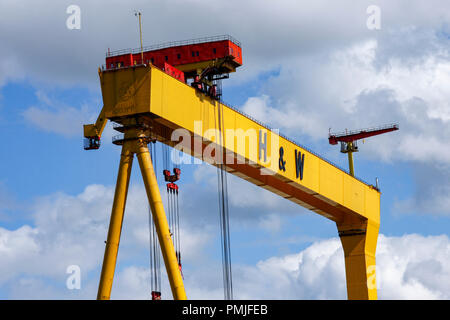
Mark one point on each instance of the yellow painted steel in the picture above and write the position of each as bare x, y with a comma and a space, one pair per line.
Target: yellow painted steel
134, 142
160, 220
359, 243
152, 95
350, 159
115, 224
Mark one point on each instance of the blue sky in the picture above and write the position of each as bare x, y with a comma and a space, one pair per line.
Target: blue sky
306, 68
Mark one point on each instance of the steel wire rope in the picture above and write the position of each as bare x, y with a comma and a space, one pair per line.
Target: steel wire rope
223, 205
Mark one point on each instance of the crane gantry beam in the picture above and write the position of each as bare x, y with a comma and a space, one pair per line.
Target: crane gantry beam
177, 114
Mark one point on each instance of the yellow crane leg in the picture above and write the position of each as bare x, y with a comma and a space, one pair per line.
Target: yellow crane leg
359, 242
160, 220
350, 159
115, 224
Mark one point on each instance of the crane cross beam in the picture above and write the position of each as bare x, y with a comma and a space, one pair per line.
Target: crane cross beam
161, 105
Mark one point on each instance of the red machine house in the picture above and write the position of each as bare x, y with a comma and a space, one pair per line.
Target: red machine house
203, 60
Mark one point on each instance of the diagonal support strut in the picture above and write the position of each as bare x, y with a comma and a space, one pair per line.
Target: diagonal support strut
134, 142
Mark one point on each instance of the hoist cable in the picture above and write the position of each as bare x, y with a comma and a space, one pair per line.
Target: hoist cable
223, 208
178, 230
225, 235
173, 212
172, 226
174, 223
150, 229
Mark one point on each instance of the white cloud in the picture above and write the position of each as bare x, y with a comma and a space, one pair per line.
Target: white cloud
133, 283
379, 80
68, 230
71, 230
272, 33
347, 90
53, 116
15, 248
315, 273
66, 121
408, 267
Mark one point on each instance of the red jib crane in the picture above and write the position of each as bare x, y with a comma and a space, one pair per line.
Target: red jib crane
348, 140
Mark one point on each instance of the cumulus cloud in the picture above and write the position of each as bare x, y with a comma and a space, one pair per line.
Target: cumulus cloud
45, 50
133, 283
402, 262
346, 90
67, 121
51, 115
16, 247
408, 267
366, 84
70, 230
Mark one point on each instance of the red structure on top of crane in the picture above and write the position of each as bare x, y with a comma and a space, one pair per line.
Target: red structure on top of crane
204, 60
186, 55
348, 140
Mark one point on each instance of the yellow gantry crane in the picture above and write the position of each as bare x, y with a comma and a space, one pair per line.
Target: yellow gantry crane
149, 103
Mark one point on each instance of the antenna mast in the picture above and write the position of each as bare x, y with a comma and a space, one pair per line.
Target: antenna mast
138, 14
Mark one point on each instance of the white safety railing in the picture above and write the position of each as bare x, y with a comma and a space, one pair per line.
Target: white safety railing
371, 129
174, 44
